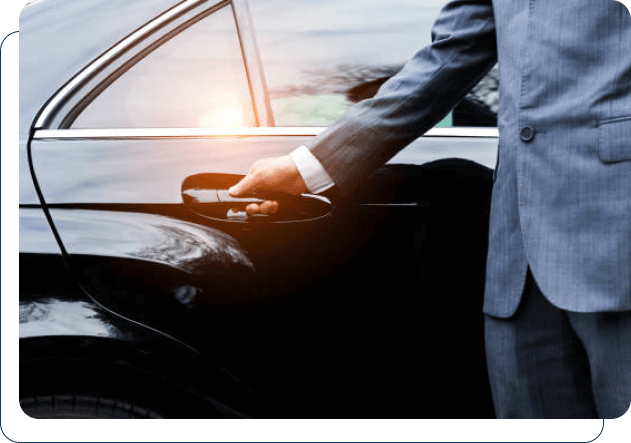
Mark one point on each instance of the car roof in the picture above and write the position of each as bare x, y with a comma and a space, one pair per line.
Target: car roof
59, 37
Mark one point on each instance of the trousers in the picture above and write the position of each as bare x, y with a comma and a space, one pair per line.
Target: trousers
545, 362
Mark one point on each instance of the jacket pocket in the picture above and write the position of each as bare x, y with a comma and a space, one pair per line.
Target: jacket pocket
614, 140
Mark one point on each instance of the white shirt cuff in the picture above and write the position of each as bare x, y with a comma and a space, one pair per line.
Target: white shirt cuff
311, 170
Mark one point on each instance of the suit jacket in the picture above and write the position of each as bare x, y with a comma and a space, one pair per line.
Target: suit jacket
562, 195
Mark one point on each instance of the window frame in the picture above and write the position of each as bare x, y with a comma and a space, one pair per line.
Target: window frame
56, 117
439, 131
73, 98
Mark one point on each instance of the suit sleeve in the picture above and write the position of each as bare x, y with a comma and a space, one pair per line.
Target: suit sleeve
431, 83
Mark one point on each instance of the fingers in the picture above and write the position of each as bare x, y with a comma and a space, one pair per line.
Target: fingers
272, 174
266, 208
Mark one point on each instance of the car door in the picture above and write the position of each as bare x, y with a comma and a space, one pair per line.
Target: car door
413, 237
344, 304
111, 170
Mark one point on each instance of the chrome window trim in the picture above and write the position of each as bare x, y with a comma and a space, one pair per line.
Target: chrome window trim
253, 63
256, 79
76, 82
277, 131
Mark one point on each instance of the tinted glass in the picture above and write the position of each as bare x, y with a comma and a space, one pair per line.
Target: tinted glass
322, 56
196, 79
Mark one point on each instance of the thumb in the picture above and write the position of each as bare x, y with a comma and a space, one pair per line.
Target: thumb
235, 191
244, 187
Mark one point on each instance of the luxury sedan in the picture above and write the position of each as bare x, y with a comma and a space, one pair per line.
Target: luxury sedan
145, 289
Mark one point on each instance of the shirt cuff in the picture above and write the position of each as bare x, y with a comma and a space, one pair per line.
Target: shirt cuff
311, 170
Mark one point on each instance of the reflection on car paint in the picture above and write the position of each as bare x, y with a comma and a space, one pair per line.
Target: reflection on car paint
63, 317
149, 237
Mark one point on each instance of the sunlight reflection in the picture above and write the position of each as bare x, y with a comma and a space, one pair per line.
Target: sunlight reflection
229, 116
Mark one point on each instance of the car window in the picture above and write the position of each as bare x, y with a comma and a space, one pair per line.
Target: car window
196, 79
321, 57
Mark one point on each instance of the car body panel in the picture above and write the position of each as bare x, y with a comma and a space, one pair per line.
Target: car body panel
155, 269
37, 238
144, 170
54, 306
27, 194
63, 331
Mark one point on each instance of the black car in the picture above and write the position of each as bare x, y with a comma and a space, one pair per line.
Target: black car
145, 291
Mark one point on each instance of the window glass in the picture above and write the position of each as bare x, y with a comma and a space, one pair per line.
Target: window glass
321, 56
196, 79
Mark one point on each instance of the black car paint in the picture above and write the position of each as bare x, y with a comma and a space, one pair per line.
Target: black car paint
148, 284
64, 331
292, 327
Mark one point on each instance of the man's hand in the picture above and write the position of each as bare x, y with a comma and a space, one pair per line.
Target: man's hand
271, 174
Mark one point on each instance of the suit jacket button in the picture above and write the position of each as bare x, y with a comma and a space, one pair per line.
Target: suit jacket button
527, 133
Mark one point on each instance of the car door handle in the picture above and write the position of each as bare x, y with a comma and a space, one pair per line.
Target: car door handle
207, 195
222, 197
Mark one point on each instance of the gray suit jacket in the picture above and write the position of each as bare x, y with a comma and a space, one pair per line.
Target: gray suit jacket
562, 195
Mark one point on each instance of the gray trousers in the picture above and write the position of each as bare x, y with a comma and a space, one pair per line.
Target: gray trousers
548, 363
